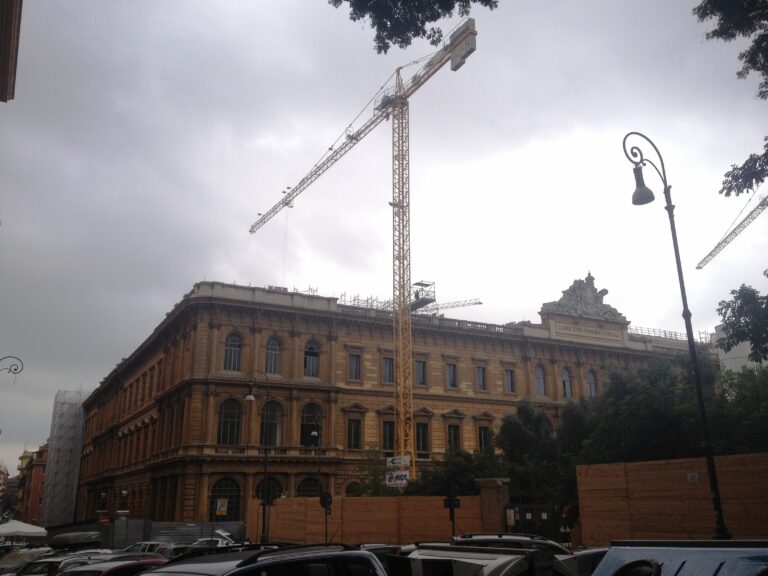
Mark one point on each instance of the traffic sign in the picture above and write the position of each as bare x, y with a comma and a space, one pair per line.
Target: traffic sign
398, 478
399, 462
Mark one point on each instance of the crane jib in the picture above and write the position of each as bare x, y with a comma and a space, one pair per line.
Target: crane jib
462, 43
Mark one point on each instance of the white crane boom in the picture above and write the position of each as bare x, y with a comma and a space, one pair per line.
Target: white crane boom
435, 307
735, 232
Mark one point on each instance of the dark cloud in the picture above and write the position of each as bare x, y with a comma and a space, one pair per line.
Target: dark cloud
145, 138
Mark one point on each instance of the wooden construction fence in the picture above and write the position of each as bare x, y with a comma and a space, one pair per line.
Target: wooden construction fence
671, 499
386, 520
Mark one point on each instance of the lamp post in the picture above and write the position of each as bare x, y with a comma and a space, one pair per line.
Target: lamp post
643, 195
123, 513
325, 497
266, 490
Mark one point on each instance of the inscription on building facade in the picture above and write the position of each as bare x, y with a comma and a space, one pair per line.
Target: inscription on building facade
588, 332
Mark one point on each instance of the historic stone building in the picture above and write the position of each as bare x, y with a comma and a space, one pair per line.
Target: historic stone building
238, 381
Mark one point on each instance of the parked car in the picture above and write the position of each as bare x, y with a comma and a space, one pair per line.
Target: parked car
222, 538
115, 568
42, 566
16, 560
310, 560
510, 540
211, 543
581, 562
158, 547
60, 560
84, 559
685, 558
448, 559
73, 541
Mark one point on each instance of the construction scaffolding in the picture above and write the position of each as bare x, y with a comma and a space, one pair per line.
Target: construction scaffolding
63, 468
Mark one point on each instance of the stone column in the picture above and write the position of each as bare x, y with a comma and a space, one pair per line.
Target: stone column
201, 514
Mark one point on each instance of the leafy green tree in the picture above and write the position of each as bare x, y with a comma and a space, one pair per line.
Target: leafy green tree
747, 19
460, 468
372, 470
740, 412
648, 415
576, 422
400, 21
745, 319
527, 441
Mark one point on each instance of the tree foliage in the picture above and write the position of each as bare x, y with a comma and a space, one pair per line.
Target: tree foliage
740, 412
398, 22
648, 415
745, 319
747, 19
372, 470
460, 469
528, 443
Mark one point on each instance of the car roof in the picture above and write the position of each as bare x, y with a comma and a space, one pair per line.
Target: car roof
470, 560
686, 558
208, 564
498, 539
217, 564
105, 566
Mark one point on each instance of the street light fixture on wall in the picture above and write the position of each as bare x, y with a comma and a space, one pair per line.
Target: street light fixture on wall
644, 195
266, 487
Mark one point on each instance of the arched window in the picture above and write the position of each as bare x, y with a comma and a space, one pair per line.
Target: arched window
225, 501
309, 487
312, 360
353, 489
233, 349
311, 421
274, 489
272, 424
591, 384
565, 378
230, 416
274, 358
541, 382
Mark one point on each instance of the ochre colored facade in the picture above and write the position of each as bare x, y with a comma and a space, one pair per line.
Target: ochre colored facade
176, 431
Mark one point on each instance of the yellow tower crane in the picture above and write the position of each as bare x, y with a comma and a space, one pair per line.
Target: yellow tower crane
754, 213
394, 104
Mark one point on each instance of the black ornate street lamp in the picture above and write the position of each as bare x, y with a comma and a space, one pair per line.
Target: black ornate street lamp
644, 195
266, 487
15, 365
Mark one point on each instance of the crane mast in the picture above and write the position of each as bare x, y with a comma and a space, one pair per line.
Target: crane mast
735, 232
394, 105
401, 274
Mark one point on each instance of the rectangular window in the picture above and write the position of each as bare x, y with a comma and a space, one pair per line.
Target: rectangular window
480, 382
388, 437
353, 434
454, 437
509, 381
388, 370
483, 438
451, 375
422, 440
541, 383
421, 372
354, 367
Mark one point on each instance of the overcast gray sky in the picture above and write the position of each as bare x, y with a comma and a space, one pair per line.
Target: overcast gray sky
145, 138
